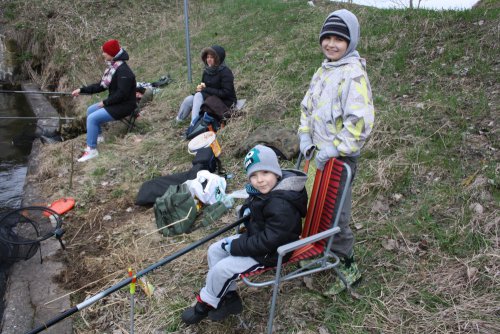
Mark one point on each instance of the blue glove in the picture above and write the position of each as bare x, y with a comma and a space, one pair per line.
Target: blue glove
226, 245
324, 155
306, 146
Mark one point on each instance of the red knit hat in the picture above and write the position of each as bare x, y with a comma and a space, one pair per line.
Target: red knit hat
111, 47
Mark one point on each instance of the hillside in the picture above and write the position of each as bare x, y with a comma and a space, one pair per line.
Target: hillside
426, 197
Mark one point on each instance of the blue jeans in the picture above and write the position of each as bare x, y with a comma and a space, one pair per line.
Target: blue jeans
191, 103
95, 117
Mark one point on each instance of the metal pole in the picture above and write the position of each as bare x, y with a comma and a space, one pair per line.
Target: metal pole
118, 286
37, 117
188, 50
132, 303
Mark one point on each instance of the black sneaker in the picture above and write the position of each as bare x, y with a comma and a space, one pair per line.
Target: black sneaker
229, 304
197, 313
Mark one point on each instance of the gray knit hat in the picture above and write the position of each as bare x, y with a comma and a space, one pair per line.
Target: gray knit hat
262, 158
334, 25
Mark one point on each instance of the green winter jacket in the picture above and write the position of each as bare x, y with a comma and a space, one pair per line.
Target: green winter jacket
337, 110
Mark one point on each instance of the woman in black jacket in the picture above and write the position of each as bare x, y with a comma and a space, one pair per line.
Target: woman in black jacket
120, 82
217, 80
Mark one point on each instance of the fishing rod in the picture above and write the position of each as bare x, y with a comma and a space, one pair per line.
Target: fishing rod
127, 281
37, 117
33, 92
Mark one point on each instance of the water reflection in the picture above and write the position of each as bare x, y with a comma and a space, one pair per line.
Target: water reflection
15, 145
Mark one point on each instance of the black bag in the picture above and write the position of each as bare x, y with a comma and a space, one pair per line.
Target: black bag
208, 161
152, 189
201, 124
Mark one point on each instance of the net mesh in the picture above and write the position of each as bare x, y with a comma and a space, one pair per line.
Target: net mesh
22, 230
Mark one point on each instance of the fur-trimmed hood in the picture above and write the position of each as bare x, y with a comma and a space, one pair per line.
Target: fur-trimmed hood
217, 51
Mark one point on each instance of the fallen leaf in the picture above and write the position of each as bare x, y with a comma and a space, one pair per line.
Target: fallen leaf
380, 207
397, 197
477, 208
308, 281
358, 226
389, 244
471, 273
323, 330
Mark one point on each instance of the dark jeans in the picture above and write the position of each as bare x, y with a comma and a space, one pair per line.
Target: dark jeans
343, 242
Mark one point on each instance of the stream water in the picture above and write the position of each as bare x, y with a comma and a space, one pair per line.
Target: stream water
16, 137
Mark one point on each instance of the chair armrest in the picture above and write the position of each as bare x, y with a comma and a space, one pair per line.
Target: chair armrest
284, 249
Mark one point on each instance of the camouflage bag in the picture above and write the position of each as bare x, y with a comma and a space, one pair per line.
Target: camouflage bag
175, 211
283, 141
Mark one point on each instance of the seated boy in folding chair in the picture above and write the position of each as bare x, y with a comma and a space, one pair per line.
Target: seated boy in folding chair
276, 204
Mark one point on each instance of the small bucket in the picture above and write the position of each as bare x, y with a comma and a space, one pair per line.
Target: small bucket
203, 140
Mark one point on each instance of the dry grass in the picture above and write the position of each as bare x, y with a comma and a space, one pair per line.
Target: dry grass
425, 208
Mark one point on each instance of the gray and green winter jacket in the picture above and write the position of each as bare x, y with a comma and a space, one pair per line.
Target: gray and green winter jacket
337, 113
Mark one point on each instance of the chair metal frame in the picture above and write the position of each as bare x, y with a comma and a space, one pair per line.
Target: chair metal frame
129, 121
327, 259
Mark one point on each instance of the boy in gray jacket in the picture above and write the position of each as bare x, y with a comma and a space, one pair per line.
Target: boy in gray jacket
337, 117
276, 204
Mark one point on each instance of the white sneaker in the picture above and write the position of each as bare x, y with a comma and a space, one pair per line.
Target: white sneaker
100, 139
88, 154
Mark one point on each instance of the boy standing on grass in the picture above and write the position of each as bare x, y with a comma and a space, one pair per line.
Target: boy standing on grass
276, 204
337, 118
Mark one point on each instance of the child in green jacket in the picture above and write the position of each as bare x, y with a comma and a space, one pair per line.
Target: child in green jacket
337, 117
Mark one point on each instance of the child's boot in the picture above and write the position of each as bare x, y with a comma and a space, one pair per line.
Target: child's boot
350, 270
197, 313
229, 304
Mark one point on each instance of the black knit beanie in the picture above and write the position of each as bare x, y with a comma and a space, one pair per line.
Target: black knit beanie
334, 25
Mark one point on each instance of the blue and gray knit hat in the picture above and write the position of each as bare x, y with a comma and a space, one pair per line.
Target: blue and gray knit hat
262, 158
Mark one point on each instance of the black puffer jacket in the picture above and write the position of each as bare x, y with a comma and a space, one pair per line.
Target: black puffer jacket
275, 219
121, 100
220, 83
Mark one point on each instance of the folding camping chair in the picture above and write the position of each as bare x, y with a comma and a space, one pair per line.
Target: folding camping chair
129, 121
326, 200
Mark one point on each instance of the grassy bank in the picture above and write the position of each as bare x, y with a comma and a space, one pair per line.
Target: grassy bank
426, 197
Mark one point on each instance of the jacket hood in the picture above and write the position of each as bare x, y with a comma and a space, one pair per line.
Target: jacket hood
121, 55
292, 188
354, 32
292, 179
217, 50
354, 58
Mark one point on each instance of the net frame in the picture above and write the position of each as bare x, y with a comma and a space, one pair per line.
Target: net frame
23, 229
